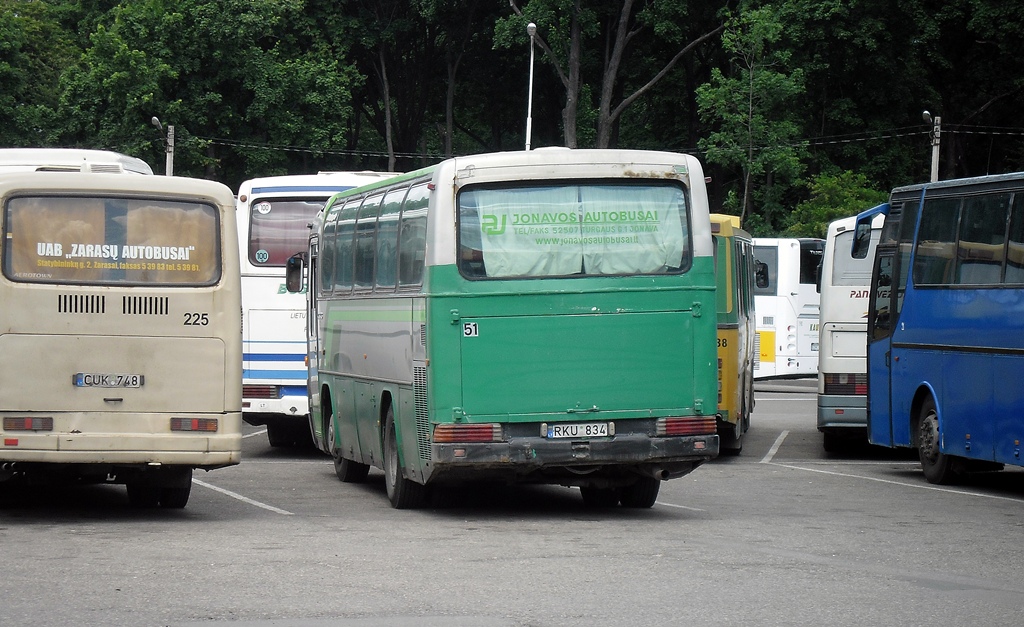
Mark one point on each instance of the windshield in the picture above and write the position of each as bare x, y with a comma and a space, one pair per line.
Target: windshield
111, 241
279, 228
574, 229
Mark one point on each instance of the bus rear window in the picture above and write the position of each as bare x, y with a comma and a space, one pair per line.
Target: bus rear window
574, 229
279, 228
111, 241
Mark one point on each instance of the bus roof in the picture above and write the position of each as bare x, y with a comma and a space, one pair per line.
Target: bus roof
70, 160
991, 179
183, 188
322, 183
726, 225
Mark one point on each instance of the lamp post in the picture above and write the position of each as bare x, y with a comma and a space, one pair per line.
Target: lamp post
168, 144
531, 29
936, 131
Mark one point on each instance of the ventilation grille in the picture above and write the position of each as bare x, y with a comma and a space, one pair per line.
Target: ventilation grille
419, 390
145, 305
108, 168
757, 351
81, 303
423, 335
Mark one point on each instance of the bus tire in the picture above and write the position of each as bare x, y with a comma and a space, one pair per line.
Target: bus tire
175, 496
642, 494
403, 493
142, 494
348, 471
938, 467
832, 442
599, 497
278, 436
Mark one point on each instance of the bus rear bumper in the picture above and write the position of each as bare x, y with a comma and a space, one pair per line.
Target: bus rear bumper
842, 412
597, 462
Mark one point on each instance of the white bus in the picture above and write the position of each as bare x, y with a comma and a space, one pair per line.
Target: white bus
274, 214
70, 160
120, 330
842, 358
786, 305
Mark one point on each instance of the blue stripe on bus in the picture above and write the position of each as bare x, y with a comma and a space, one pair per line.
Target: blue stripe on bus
301, 188
273, 357
274, 374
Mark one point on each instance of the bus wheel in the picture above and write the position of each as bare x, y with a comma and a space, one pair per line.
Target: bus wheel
599, 497
938, 467
402, 492
347, 470
278, 436
143, 494
642, 494
176, 496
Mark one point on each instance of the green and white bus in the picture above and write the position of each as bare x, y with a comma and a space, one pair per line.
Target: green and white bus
120, 330
533, 317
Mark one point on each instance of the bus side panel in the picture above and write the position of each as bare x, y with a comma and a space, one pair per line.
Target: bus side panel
963, 433
1008, 415
730, 356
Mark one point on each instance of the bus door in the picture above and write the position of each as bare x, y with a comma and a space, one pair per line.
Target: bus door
312, 327
880, 318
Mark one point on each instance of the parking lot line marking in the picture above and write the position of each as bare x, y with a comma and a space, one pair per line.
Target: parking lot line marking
920, 486
244, 499
254, 433
692, 509
767, 459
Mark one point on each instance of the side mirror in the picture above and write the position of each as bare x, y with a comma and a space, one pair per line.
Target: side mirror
293, 272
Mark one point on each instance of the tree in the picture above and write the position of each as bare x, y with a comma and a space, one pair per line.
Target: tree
832, 197
620, 24
34, 50
245, 76
755, 126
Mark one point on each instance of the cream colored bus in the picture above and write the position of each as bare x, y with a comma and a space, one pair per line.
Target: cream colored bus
120, 330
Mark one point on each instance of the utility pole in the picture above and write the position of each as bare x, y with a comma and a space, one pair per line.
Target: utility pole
935, 132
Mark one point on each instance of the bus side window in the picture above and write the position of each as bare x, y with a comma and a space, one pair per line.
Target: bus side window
365, 243
880, 323
761, 274
387, 239
343, 273
1015, 243
412, 237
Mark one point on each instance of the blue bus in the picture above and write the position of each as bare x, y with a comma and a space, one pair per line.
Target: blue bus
946, 324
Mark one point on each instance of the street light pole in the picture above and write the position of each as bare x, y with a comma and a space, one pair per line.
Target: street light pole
936, 131
531, 28
168, 145
170, 150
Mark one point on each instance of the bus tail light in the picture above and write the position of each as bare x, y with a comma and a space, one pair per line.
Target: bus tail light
208, 425
846, 384
688, 425
28, 424
449, 434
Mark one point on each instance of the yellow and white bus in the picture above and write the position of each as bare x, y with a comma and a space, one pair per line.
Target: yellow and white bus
120, 328
786, 300
734, 272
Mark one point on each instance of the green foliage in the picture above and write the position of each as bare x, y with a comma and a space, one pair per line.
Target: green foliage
795, 90
34, 49
832, 197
